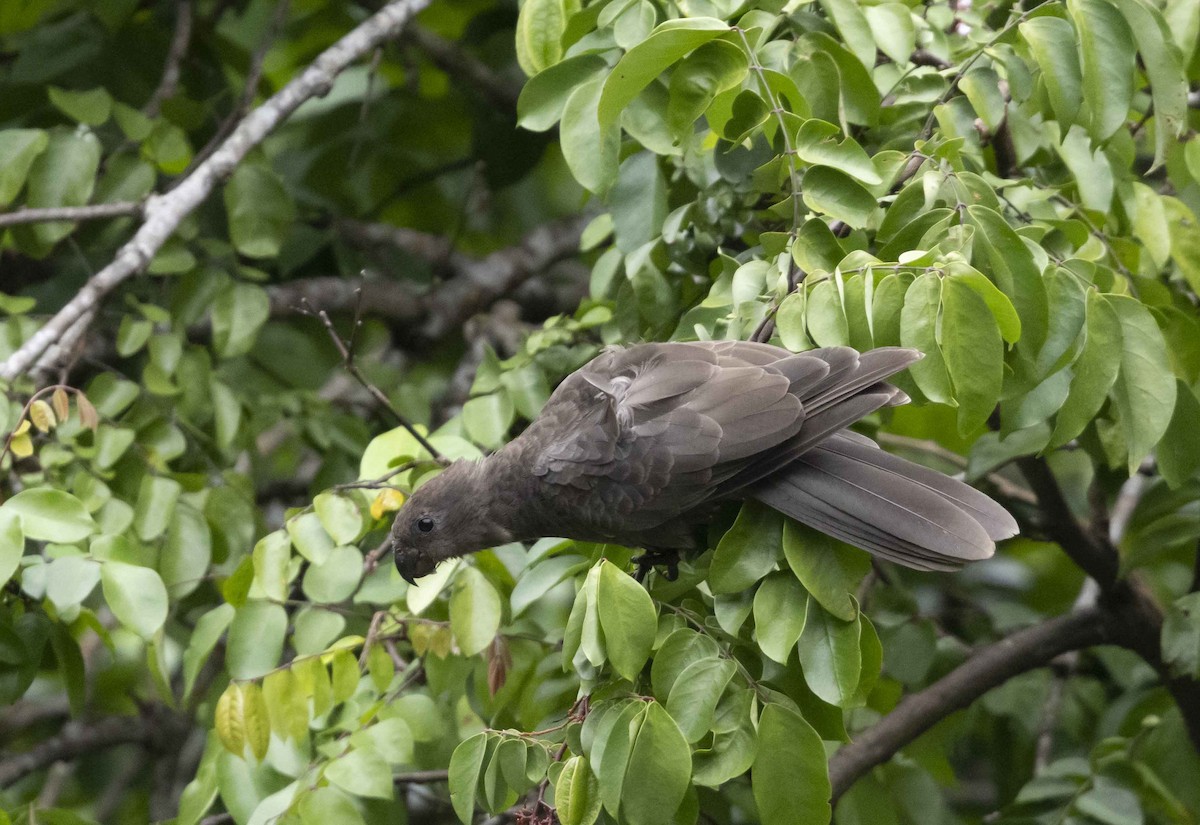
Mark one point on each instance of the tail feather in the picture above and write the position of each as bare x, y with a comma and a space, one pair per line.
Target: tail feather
887, 505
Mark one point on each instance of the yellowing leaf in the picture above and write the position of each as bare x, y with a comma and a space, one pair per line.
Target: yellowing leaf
388, 501
42, 416
255, 721
21, 445
61, 403
230, 727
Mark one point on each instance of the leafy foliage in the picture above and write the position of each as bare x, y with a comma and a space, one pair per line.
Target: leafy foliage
193, 527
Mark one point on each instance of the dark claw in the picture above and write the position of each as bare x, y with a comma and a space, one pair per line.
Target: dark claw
651, 558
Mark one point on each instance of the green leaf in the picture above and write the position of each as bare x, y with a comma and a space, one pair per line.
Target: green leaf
830, 655
779, 608
155, 506
836, 194
997, 302
340, 517
681, 649
639, 201
309, 537
1179, 453
1184, 233
136, 595
628, 619
70, 580
200, 794
1145, 388
1095, 371
70, 665
362, 772
12, 543
577, 793
817, 143
50, 515
695, 694
540, 26
255, 639
18, 149
659, 767
336, 578
466, 764
789, 777
790, 321
918, 329
545, 95
1181, 636
475, 611
589, 148
847, 17
1011, 266
713, 68
259, 210
488, 418
1059, 66
92, 107
204, 638
892, 26
1111, 804
1108, 64
1068, 314
239, 311
271, 556
321, 806
825, 317
62, 175
748, 550
644, 62
974, 353
1164, 68
830, 570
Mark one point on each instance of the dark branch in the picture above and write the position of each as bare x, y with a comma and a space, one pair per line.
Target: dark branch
175, 55
474, 285
1097, 560
75, 741
989, 667
468, 70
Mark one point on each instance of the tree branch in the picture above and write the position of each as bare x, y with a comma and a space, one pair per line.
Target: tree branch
1097, 560
164, 213
75, 741
989, 667
96, 211
175, 54
465, 68
422, 316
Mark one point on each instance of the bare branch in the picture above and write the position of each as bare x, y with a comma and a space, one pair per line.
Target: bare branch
437, 249
463, 67
96, 211
175, 54
987, 668
476, 284
345, 349
1098, 561
75, 741
164, 213
253, 77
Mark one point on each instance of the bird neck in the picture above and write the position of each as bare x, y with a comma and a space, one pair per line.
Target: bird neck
507, 485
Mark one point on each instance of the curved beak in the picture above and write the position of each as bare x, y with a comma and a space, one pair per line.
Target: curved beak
413, 566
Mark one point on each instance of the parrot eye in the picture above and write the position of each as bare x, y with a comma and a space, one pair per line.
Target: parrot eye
425, 524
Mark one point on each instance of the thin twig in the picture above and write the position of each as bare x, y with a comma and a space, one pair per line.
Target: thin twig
94, 212
250, 89
345, 349
175, 55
